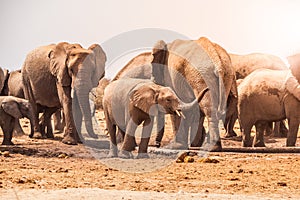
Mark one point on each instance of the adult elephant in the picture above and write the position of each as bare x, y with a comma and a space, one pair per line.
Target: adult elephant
50, 72
189, 66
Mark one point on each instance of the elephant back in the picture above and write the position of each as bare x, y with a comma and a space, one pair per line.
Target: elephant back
138, 67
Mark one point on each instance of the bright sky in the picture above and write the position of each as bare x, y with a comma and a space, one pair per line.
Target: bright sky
240, 26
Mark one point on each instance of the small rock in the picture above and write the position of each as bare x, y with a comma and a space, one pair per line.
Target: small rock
5, 154
62, 155
208, 160
188, 159
282, 184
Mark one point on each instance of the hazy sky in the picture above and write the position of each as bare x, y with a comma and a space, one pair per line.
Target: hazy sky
240, 26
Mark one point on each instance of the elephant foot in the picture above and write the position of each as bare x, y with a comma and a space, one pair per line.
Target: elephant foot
7, 142
37, 134
176, 145
246, 144
112, 154
50, 135
157, 144
142, 155
230, 134
259, 144
125, 154
69, 140
212, 147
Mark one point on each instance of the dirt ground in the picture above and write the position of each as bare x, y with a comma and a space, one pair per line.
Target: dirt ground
48, 165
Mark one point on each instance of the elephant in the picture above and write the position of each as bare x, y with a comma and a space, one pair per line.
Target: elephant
13, 86
61, 76
99, 92
12, 109
129, 102
266, 96
243, 66
3, 79
188, 66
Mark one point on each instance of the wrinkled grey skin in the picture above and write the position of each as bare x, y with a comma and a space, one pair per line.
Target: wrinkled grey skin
245, 65
188, 67
254, 108
140, 67
14, 87
11, 110
3, 79
50, 72
129, 102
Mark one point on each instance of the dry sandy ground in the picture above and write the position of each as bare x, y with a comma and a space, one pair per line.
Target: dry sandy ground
48, 169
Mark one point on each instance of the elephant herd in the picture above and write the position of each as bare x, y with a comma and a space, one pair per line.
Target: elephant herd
188, 79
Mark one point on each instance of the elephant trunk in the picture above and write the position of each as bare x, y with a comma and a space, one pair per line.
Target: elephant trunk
82, 95
188, 106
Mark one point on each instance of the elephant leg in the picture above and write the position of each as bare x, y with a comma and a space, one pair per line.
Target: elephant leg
113, 149
48, 114
18, 129
283, 129
58, 121
229, 126
180, 140
77, 116
7, 128
268, 129
246, 137
129, 140
199, 138
35, 128
213, 140
120, 135
292, 134
70, 133
42, 125
276, 129
160, 129
146, 133
258, 140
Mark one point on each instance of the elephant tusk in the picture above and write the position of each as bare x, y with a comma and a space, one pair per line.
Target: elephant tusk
180, 114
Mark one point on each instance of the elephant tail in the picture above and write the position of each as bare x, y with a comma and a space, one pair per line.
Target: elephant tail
219, 57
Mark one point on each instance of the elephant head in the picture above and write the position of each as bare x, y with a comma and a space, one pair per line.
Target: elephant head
294, 62
154, 98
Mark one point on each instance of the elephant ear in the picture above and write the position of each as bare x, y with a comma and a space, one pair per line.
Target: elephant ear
99, 63
144, 97
58, 68
11, 107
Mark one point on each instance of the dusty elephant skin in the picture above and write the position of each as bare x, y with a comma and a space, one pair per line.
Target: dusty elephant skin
49, 73
266, 96
180, 66
130, 102
12, 109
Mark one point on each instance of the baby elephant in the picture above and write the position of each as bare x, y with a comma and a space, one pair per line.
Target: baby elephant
129, 102
266, 96
11, 110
